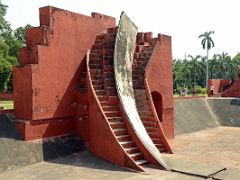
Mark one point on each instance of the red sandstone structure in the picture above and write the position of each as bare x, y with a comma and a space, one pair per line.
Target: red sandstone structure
225, 87
66, 83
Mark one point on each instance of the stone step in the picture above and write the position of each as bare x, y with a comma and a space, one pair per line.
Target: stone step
121, 131
137, 77
108, 68
145, 55
97, 82
117, 125
141, 162
141, 63
98, 45
109, 84
138, 67
107, 61
108, 74
156, 140
151, 129
128, 144
138, 87
111, 108
112, 91
136, 156
100, 38
95, 77
94, 56
108, 52
102, 52
95, 60
97, 52
109, 44
113, 113
115, 119
145, 113
138, 83
149, 123
131, 150
124, 138
96, 72
138, 73
159, 146
109, 79
103, 98
162, 150
100, 92
141, 59
110, 36
147, 118
98, 87
154, 135
109, 103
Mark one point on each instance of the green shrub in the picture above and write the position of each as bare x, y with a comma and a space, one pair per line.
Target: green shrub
201, 90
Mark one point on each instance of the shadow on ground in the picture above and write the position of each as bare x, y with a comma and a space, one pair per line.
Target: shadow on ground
14, 152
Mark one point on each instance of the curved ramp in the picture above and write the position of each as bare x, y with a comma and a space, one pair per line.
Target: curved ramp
123, 58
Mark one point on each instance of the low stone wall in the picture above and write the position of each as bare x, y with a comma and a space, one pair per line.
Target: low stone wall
15, 152
6, 95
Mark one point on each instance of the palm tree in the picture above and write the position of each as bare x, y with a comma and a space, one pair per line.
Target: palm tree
194, 64
207, 43
213, 65
232, 67
223, 60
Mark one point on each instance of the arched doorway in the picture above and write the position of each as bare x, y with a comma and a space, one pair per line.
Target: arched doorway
157, 100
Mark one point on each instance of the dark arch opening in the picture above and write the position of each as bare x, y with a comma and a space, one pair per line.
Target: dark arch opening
157, 100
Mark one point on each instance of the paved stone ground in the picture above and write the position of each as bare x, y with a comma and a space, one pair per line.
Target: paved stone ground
219, 146
85, 166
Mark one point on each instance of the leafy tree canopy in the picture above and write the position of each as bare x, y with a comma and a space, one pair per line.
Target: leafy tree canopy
10, 42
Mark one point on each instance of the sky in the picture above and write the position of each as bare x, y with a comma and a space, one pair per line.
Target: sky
183, 20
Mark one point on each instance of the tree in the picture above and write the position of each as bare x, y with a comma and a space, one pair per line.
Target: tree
10, 42
236, 61
207, 43
5, 73
223, 61
194, 64
5, 28
212, 65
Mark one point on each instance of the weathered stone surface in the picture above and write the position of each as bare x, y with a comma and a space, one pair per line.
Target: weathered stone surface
123, 58
198, 114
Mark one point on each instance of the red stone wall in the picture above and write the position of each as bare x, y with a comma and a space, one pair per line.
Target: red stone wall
159, 76
6, 95
46, 83
218, 85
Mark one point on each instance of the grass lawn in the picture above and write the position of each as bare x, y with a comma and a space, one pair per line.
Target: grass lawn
7, 104
188, 95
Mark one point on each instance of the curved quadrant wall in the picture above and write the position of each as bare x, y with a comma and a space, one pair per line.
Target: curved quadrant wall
123, 57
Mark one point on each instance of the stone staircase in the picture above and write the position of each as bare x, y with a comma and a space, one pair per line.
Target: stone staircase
103, 81
233, 90
143, 52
